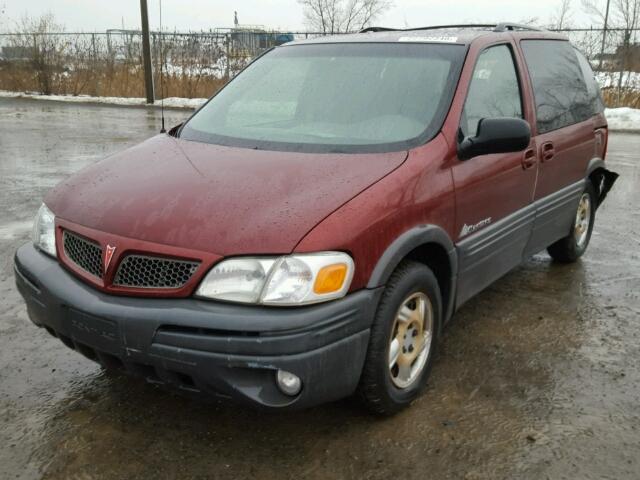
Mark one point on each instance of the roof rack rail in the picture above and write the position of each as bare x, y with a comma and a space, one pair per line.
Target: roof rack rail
378, 29
431, 27
499, 27
442, 27
507, 26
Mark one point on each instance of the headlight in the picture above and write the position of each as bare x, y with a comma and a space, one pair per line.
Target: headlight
290, 280
44, 233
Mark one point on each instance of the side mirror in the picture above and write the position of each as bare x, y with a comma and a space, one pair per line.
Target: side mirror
496, 135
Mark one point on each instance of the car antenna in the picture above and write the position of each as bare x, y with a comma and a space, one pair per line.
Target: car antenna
162, 129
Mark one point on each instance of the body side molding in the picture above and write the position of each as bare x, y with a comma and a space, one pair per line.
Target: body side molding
491, 252
554, 216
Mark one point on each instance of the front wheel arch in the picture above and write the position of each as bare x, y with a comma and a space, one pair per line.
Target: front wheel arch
429, 245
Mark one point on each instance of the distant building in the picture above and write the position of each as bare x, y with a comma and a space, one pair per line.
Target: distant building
249, 40
16, 53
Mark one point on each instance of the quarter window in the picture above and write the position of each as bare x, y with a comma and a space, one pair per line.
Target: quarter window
494, 90
559, 85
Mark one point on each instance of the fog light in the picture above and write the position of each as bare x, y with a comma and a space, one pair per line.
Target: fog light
288, 383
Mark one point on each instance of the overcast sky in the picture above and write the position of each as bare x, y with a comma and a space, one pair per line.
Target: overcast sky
99, 15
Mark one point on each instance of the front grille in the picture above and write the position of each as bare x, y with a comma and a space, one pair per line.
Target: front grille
85, 253
140, 271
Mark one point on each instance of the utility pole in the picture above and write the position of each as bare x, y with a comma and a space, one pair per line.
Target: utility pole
604, 35
146, 52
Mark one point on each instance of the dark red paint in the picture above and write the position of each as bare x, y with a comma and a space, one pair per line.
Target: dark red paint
201, 201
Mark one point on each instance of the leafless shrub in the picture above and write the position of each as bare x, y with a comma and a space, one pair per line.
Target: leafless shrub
562, 16
39, 51
339, 16
42, 58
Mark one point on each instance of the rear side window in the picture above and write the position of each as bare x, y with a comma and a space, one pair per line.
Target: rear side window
494, 90
559, 85
593, 89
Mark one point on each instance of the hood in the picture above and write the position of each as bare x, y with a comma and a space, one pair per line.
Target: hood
222, 200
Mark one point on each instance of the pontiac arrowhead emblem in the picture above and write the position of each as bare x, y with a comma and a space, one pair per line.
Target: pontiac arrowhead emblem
108, 255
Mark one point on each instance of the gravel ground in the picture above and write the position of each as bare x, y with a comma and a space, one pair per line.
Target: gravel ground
537, 377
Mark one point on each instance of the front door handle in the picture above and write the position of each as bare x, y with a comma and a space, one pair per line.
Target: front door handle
548, 151
528, 159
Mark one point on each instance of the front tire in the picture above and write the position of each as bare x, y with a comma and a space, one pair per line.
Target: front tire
403, 340
572, 247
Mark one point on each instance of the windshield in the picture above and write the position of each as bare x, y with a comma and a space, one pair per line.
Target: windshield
342, 97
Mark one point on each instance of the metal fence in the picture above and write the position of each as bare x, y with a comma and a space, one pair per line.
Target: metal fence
110, 63
197, 64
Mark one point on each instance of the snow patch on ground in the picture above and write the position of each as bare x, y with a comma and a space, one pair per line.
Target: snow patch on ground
177, 102
611, 79
171, 102
623, 119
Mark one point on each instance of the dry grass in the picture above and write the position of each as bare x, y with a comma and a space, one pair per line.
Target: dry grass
106, 81
623, 97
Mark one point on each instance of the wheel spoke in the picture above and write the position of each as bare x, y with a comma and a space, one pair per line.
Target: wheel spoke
419, 312
394, 352
401, 332
404, 371
405, 315
420, 345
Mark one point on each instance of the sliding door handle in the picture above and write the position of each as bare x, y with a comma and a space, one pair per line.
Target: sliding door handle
548, 152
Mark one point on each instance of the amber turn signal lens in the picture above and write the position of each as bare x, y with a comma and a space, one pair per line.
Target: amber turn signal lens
330, 278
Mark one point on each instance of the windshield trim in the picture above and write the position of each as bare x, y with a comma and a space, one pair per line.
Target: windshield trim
426, 136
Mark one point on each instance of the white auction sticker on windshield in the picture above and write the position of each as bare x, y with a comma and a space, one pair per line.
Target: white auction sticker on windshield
439, 38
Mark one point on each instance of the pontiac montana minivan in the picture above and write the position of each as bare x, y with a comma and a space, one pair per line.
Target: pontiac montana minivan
309, 231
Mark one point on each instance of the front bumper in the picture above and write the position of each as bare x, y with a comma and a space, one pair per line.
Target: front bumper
225, 350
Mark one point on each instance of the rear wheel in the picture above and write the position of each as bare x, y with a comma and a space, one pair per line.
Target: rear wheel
573, 246
403, 340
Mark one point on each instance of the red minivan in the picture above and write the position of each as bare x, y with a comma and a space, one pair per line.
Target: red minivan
308, 232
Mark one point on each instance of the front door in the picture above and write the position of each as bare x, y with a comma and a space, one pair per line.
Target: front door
494, 193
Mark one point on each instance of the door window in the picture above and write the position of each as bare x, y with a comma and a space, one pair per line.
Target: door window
494, 90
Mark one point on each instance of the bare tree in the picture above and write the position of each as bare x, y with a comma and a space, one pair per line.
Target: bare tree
340, 16
596, 9
600, 13
628, 13
32, 39
562, 15
625, 16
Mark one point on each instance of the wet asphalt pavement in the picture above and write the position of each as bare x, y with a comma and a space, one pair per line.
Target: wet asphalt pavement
537, 377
